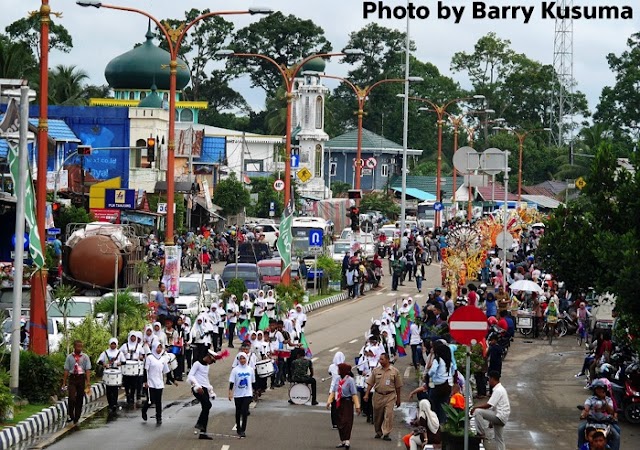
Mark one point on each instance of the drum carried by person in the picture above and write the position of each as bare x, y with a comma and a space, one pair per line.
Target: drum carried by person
111, 359
133, 366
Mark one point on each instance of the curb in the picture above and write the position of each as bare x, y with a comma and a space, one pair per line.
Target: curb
330, 300
36, 424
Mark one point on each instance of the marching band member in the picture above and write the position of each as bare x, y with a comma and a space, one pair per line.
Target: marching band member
214, 319
261, 307
221, 324
260, 348
111, 358
232, 317
147, 338
271, 304
245, 307
158, 332
155, 367
199, 337
132, 351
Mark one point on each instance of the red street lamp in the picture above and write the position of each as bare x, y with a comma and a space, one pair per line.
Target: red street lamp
174, 38
361, 96
521, 137
289, 74
440, 110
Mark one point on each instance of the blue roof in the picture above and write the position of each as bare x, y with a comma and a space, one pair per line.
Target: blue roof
417, 193
58, 130
213, 150
4, 148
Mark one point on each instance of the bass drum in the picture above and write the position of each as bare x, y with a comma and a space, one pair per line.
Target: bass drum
265, 368
299, 394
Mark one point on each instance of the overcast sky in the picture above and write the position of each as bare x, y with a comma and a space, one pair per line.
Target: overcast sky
101, 34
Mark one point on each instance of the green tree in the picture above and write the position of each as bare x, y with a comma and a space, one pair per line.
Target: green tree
94, 91
16, 60
263, 186
27, 30
127, 307
71, 214
379, 201
66, 85
231, 195
286, 39
339, 187
63, 296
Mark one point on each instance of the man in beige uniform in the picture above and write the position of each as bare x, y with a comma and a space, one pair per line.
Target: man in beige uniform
387, 382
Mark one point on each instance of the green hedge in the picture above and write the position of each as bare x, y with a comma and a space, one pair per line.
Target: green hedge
40, 376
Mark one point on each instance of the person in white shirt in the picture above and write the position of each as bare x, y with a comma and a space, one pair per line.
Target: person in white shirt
214, 321
240, 390
301, 318
201, 388
112, 358
246, 305
132, 351
158, 333
232, 317
222, 324
338, 358
155, 367
495, 412
261, 307
271, 304
416, 344
199, 337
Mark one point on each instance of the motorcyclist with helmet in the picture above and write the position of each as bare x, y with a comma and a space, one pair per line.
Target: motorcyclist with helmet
599, 410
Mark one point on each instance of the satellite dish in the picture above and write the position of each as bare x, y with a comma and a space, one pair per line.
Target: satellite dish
466, 159
492, 161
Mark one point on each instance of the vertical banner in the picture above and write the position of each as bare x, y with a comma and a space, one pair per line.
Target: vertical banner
285, 238
171, 275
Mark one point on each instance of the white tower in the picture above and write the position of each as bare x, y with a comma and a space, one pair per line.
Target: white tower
308, 127
563, 83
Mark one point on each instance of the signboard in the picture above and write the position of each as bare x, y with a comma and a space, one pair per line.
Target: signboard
272, 209
304, 174
171, 275
207, 196
359, 162
367, 172
106, 215
315, 250
581, 183
120, 198
437, 206
285, 239
63, 180
315, 238
295, 161
468, 325
278, 185
372, 163
53, 231
162, 208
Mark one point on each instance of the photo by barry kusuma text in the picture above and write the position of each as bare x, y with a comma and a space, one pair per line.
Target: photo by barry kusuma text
524, 12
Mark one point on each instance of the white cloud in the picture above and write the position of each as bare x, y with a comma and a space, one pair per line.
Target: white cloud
100, 35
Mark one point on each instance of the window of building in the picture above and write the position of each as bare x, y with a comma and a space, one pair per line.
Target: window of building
333, 169
132, 95
143, 95
318, 161
139, 155
307, 110
294, 114
253, 165
384, 170
319, 112
186, 115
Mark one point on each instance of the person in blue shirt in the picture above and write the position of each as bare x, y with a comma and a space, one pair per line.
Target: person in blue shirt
161, 310
511, 328
491, 305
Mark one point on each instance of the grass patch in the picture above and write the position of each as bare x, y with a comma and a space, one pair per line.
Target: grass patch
318, 297
21, 413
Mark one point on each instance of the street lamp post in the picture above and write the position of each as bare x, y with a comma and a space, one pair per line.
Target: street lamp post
361, 95
440, 111
174, 38
288, 75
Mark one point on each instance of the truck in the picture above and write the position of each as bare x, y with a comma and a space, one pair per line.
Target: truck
333, 210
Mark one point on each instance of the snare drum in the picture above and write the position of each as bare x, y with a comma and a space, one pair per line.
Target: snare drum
361, 382
265, 368
172, 361
132, 368
112, 377
299, 394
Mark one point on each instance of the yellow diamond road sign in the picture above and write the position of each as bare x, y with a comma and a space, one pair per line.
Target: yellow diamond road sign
304, 174
580, 183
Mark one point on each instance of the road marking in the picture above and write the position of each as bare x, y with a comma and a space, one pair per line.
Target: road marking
418, 296
407, 372
391, 294
353, 341
235, 428
378, 293
314, 359
225, 447
333, 349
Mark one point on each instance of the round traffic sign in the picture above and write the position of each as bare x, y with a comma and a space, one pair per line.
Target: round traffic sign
468, 325
372, 163
278, 185
438, 206
357, 162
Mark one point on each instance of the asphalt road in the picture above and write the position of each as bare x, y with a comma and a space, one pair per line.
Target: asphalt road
538, 377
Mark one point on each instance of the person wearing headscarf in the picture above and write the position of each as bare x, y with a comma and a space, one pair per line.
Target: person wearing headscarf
201, 388
155, 367
232, 318
222, 323
132, 351
200, 337
428, 431
184, 327
147, 338
158, 332
551, 314
261, 307
241, 392
112, 358
143, 353
245, 307
271, 304
345, 395
338, 358
260, 348
301, 318
214, 320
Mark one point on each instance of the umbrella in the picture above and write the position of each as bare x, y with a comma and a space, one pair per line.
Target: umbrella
537, 225
526, 285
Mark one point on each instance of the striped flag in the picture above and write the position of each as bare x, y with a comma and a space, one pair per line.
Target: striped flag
404, 330
400, 346
35, 244
243, 329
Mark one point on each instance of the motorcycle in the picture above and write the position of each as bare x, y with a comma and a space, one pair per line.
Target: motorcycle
504, 340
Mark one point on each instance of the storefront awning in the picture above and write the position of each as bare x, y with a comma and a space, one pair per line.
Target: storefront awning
417, 194
203, 202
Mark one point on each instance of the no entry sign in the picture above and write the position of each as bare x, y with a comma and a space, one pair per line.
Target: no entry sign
468, 325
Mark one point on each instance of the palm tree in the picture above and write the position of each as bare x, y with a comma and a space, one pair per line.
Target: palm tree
66, 85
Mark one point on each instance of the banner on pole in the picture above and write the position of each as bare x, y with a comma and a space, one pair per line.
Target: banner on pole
171, 275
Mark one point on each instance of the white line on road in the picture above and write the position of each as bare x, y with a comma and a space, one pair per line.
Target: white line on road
235, 427
333, 349
353, 341
225, 447
391, 294
314, 359
378, 293
407, 372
